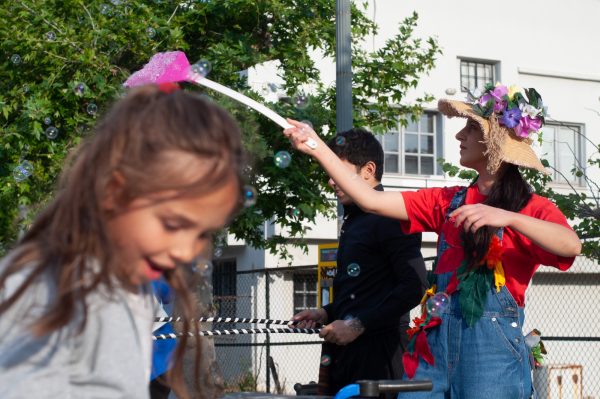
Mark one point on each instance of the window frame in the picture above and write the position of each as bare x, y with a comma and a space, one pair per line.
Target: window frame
401, 154
304, 277
578, 152
495, 68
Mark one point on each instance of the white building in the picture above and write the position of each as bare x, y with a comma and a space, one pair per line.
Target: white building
551, 45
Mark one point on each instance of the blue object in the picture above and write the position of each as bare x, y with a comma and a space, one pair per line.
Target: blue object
163, 349
348, 391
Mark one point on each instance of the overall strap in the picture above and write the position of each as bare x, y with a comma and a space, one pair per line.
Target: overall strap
457, 200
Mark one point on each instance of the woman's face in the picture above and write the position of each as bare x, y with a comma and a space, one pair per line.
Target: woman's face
472, 147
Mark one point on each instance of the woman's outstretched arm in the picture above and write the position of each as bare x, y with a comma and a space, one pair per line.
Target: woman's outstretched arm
390, 204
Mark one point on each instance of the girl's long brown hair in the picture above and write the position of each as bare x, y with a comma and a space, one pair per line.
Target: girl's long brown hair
509, 192
130, 142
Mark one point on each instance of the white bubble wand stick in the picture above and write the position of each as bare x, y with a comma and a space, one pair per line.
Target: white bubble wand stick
173, 66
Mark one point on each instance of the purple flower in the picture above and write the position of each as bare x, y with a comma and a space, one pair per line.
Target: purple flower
483, 100
510, 118
499, 106
527, 125
499, 92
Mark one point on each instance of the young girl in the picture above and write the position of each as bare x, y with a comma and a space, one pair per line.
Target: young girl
493, 235
141, 200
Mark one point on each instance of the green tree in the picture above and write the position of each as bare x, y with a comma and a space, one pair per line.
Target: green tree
64, 61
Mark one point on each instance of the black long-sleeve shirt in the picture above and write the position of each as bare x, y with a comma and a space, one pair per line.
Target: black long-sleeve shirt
392, 276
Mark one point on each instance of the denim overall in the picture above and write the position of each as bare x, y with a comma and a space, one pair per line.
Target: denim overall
487, 360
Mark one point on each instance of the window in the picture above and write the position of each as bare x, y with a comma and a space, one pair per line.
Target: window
562, 148
305, 291
225, 287
414, 149
476, 74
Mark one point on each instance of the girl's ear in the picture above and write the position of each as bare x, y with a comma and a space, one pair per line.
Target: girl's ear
113, 192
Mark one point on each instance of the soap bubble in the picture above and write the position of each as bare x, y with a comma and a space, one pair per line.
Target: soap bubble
22, 171
353, 269
15, 59
204, 268
282, 159
202, 68
218, 252
50, 36
51, 132
340, 140
92, 109
151, 32
437, 303
47, 120
300, 100
308, 123
325, 360
249, 196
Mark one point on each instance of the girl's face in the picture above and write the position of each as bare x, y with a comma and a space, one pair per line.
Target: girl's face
154, 234
472, 147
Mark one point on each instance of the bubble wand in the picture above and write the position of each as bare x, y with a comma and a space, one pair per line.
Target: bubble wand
173, 66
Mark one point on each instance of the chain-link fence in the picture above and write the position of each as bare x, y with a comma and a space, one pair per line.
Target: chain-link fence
561, 305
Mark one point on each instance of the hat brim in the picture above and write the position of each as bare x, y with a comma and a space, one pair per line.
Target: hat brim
515, 150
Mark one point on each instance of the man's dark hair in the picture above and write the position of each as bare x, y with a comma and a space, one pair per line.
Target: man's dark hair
358, 146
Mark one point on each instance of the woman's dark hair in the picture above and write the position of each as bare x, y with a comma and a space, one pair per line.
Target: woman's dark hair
135, 141
510, 192
358, 146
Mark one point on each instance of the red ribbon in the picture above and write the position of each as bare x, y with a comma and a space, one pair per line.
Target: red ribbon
421, 347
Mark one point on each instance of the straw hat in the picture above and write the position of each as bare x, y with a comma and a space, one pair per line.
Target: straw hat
503, 144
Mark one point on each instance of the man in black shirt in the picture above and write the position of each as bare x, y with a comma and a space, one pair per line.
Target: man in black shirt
380, 277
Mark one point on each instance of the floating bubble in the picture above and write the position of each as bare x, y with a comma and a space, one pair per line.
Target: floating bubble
282, 159
79, 89
151, 32
15, 59
51, 132
50, 36
25, 89
22, 171
249, 196
218, 252
300, 100
340, 140
203, 268
352, 296
92, 109
353, 269
437, 303
202, 68
47, 120
308, 123
325, 360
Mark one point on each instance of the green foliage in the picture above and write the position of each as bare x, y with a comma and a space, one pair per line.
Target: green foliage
98, 44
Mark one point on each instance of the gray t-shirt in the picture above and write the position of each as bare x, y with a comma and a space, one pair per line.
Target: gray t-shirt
110, 358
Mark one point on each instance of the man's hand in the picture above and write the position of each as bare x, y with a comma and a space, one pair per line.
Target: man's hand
342, 332
310, 318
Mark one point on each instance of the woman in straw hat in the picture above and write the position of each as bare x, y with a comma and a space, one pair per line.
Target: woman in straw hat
493, 235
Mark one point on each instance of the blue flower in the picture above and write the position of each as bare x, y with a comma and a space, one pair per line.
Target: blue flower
511, 117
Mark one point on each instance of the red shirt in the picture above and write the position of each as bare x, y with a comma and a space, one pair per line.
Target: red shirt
427, 210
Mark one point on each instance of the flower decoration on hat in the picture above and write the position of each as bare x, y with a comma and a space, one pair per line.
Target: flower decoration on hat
519, 109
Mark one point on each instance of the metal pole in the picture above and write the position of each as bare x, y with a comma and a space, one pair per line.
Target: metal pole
343, 75
268, 337
343, 65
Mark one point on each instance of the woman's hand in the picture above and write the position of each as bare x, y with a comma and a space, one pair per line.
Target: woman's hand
473, 217
303, 137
